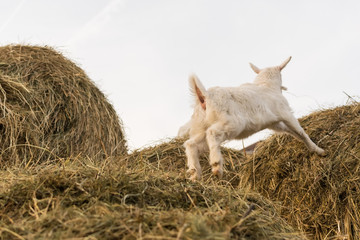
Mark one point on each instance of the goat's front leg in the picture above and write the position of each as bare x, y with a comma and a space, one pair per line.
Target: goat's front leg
291, 125
193, 147
215, 135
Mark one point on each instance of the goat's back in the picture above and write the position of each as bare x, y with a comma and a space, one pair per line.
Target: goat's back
248, 102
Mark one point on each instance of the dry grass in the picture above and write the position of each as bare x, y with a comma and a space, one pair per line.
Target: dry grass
170, 157
142, 196
56, 125
320, 195
49, 108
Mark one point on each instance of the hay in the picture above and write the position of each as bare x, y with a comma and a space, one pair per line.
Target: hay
127, 199
49, 107
170, 157
320, 195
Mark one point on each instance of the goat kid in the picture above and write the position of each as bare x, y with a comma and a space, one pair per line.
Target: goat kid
225, 113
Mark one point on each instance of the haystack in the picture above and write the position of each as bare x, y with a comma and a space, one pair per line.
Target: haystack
50, 109
170, 157
321, 195
125, 199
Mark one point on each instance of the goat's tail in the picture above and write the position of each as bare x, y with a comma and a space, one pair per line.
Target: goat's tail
198, 90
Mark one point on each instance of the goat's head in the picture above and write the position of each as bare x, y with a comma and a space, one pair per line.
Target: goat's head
270, 76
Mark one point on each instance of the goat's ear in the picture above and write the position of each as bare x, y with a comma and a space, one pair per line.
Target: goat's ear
285, 63
255, 68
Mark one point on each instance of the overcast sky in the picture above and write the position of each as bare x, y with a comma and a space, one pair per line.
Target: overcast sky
141, 52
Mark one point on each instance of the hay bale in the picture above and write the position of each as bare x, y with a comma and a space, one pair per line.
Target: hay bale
170, 157
50, 108
126, 199
320, 195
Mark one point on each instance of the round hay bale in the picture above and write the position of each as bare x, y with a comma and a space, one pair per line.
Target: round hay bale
49, 108
170, 157
319, 194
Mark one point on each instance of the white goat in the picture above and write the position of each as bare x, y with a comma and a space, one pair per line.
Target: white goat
224, 113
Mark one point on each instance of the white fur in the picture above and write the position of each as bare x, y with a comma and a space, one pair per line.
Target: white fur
236, 113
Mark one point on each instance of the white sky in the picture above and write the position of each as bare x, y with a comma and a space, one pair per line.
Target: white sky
140, 52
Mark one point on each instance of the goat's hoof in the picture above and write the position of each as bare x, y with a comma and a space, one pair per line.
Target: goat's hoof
193, 175
217, 170
321, 152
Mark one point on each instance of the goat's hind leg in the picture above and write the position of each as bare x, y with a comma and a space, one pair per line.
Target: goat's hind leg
215, 135
193, 147
291, 125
